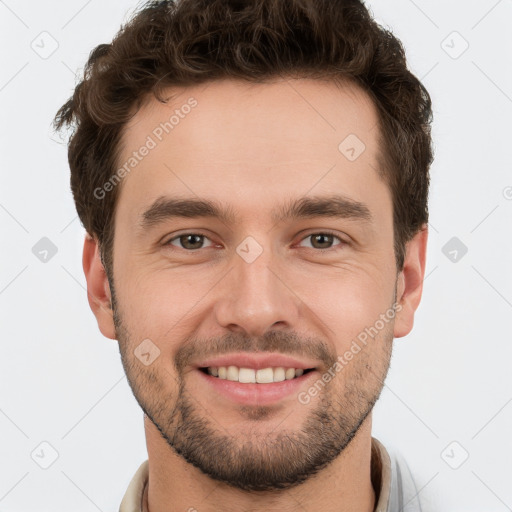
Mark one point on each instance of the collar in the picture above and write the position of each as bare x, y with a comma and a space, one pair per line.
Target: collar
135, 498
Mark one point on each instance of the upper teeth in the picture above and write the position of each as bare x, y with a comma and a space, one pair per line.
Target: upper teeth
262, 376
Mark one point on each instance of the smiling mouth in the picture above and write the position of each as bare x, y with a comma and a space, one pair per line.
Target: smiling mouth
250, 375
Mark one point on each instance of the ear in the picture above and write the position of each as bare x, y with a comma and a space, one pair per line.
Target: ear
410, 282
98, 289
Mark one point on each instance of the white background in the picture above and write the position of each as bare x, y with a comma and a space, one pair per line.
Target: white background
450, 379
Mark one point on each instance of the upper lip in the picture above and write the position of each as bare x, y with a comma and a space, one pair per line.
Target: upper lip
256, 361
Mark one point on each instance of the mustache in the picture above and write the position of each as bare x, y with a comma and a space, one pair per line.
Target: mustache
288, 343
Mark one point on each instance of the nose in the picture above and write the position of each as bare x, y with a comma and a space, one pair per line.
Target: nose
254, 297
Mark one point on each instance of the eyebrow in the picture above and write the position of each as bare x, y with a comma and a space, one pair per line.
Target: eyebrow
334, 206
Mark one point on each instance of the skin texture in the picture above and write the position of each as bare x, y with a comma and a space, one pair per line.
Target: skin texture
253, 147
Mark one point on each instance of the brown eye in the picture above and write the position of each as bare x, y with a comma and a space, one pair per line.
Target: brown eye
189, 241
323, 240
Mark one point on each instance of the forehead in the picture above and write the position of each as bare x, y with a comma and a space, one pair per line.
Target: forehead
251, 144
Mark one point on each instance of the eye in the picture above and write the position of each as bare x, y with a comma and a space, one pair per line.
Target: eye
320, 240
189, 241
194, 241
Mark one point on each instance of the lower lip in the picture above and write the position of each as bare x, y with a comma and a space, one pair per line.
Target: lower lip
256, 394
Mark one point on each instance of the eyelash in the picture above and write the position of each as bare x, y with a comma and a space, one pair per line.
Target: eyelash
324, 232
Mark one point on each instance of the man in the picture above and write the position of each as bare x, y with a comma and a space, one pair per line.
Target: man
253, 180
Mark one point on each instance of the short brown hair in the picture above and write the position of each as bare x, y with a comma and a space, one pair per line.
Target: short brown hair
187, 42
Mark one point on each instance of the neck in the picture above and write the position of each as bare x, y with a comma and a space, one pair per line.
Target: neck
343, 486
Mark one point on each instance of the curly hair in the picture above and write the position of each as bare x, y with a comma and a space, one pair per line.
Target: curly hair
187, 42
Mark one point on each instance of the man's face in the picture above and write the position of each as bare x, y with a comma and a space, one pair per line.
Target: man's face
205, 290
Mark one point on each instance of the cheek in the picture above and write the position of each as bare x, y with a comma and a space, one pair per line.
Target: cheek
159, 306
348, 305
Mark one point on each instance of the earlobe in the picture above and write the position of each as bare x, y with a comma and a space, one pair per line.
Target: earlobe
98, 289
410, 283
